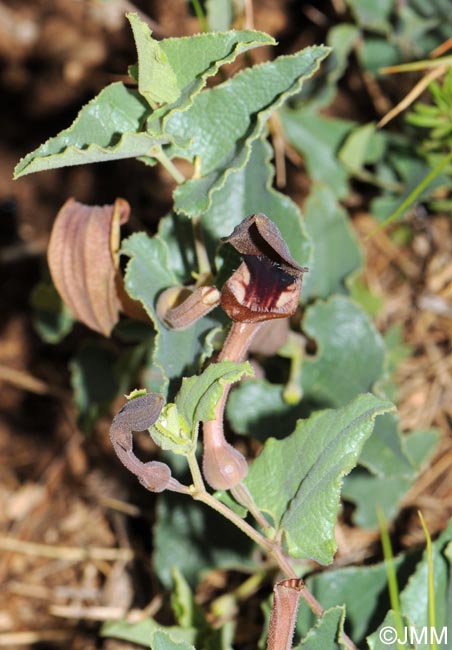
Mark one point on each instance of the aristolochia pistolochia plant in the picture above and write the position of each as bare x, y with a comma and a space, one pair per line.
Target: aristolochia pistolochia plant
183, 286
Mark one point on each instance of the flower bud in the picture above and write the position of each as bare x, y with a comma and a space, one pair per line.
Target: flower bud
223, 466
180, 307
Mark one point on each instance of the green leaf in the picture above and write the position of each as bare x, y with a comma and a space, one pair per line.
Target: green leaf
111, 125
257, 408
420, 446
387, 631
144, 632
372, 15
177, 426
195, 539
170, 432
326, 632
107, 128
182, 600
247, 191
222, 122
199, 395
377, 52
148, 272
221, 117
364, 144
220, 14
384, 453
369, 492
181, 66
342, 39
336, 250
51, 318
309, 466
176, 230
361, 294
341, 586
163, 641
197, 57
350, 352
93, 382
194, 58
157, 81
317, 139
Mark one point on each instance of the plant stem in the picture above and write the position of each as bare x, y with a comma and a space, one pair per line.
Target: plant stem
200, 15
241, 494
270, 547
415, 193
195, 472
170, 167
229, 514
200, 249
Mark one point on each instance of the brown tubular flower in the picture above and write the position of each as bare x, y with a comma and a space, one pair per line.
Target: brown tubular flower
180, 307
266, 285
139, 414
286, 595
83, 261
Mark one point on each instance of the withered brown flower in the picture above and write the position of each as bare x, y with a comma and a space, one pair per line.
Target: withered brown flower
83, 260
267, 284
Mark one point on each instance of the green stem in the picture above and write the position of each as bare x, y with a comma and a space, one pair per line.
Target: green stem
243, 496
200, 249
268, 546
415, 193
200, 15
431, 581
195, 472
293, 349
170, 167
418, 65
393, 586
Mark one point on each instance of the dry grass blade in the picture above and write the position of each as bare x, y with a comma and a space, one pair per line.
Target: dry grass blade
441, 49
414, 93
69, 553
15, 639
26, 381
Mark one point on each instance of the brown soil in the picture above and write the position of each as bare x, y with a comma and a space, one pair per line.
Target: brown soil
60, 492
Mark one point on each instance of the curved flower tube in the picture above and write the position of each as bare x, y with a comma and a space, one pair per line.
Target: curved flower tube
139, 414
266, 286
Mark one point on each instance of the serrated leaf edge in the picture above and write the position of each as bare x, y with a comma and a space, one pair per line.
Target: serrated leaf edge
257, 131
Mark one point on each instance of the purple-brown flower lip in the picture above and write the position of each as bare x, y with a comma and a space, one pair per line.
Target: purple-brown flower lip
267, 284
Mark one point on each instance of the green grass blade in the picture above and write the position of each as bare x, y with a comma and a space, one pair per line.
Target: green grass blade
415, 193
431, 582
200, 15
391, 573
